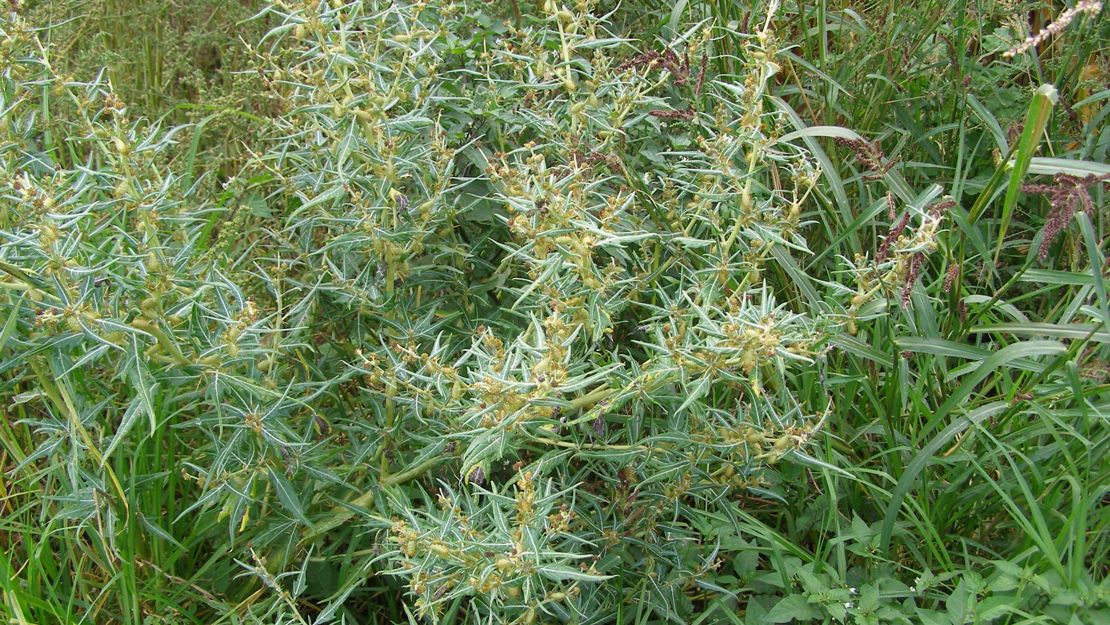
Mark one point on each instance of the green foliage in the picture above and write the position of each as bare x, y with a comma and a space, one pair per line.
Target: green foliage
174, 60
583, 314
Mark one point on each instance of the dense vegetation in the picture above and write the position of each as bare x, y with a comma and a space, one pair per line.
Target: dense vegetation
532, 312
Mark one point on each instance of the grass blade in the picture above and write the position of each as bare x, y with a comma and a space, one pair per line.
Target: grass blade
1036, 119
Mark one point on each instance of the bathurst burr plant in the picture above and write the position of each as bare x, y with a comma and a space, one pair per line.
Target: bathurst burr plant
499, 318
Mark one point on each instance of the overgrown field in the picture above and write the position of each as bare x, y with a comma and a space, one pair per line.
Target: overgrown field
525, 312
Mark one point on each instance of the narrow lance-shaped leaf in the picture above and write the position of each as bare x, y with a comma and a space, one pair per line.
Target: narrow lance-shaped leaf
288, 496
144, 385
1035, 121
